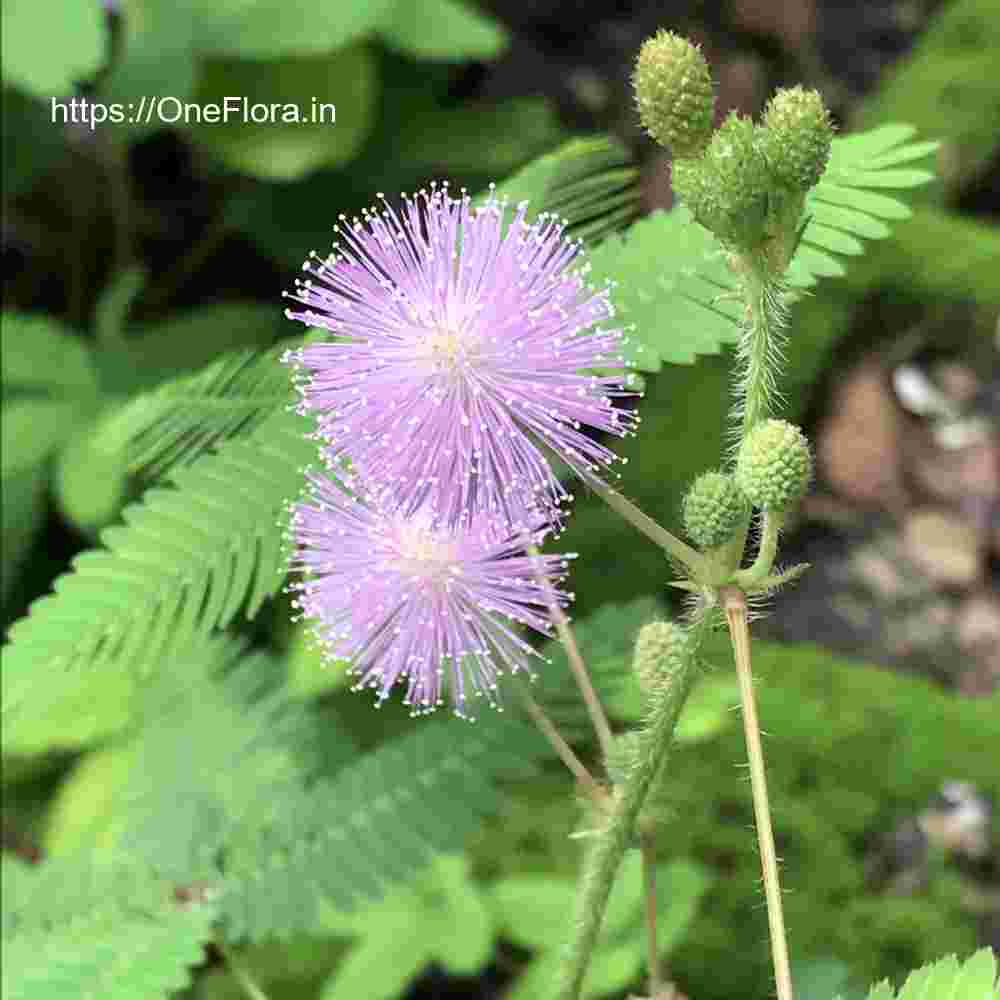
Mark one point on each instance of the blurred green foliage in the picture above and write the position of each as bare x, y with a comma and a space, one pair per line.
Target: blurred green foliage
74, 45
851, 751
531, 911
947, 89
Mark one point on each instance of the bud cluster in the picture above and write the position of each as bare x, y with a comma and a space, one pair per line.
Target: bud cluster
740, 181
727, 188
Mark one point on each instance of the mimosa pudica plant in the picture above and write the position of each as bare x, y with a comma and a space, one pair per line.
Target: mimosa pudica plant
455, 347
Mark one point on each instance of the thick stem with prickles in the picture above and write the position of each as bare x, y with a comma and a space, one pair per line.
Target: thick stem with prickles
761, 344
605, 857
760, 352
735, 606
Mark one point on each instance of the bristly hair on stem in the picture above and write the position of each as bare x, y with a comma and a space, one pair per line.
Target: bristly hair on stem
760, 352
734, 602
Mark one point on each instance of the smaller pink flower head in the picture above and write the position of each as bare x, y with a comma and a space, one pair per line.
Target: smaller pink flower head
407, 598
464, 341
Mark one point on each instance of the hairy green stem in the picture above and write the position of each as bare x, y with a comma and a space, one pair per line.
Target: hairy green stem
735, 605
759, 353
761, 347
605, 857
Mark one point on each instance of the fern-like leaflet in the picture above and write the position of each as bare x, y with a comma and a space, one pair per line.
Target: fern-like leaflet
188, 557
235, 786
673, 284
591, 183
73, 928
345, 840
177, 421
843, 208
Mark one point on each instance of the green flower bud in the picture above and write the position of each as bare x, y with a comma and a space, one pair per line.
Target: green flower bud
727, 188
713, 508
673, 91
774, 465
796, 137
660, 649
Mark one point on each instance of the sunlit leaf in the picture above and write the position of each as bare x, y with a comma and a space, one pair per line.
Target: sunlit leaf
46, 54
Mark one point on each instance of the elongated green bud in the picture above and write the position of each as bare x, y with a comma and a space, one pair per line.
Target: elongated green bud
774, 465
673, 91
727, 188
713, 509
660, 650
796, 137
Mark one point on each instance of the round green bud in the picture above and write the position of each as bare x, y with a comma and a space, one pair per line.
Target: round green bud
673, 91
713, 509
774, 465
796, 137
660, 649
727, 188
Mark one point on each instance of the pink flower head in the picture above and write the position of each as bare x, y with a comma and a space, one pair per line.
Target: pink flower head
410, 598
463, 342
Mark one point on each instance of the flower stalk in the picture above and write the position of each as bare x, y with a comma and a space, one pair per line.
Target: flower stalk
563, 750
670, 543
576, 664
735, 605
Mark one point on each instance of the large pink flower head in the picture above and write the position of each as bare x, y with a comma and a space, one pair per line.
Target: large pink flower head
464, 340
408, 598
